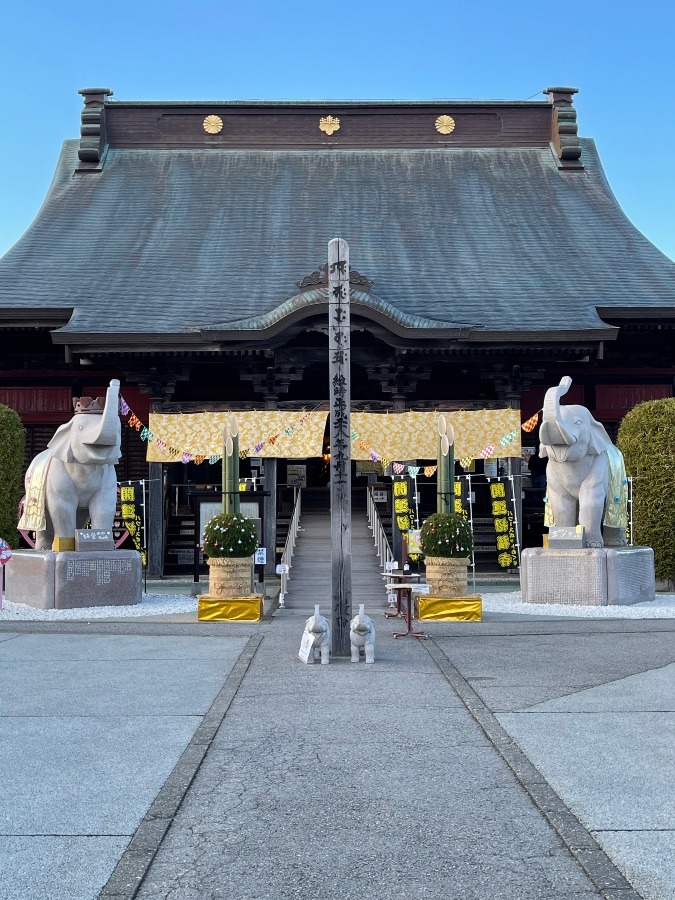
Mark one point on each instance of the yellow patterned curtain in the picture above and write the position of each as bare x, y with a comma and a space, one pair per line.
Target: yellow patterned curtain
414, 435
298, 435
282, 434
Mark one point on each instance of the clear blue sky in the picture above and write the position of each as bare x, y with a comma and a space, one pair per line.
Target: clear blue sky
620, 56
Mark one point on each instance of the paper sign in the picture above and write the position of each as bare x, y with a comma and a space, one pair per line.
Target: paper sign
391, 566
421, 588
261, 556
282, 569
306, 646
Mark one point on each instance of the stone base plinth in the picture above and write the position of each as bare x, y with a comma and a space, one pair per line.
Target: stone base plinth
236, 609
611, 576
74, 580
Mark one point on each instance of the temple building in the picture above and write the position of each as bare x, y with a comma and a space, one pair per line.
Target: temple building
182, 249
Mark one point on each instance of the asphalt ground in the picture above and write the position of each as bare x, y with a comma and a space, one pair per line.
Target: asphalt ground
501, 759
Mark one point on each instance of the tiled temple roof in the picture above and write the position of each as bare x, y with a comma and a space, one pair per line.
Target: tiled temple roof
201, 241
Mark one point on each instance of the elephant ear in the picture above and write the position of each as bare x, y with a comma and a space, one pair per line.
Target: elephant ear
60, 444
599, 437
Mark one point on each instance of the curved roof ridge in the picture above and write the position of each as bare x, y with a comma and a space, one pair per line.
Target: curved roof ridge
319, 296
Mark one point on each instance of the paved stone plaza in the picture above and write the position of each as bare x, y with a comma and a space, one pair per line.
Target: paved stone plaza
502, 759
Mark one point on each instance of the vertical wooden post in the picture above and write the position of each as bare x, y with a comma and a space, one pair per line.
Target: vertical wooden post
155, 532
340, 444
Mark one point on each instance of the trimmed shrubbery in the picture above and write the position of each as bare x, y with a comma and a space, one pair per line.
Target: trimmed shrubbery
12, 442
647, 440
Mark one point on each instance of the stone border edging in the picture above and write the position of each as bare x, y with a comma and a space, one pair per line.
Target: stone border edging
603, 873
131, 869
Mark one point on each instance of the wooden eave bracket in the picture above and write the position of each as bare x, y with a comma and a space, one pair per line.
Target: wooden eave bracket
565, 138
93, 138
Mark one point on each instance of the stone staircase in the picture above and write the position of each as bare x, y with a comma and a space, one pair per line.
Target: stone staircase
310, 577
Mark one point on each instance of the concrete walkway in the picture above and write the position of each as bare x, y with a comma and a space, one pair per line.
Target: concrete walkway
494, 760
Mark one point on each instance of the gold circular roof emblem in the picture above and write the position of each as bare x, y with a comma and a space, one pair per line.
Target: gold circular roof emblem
213, 124
329, 124
445, 124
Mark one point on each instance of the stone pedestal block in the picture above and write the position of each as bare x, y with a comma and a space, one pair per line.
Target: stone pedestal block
598, 577
630, 575
29, 578
73, 580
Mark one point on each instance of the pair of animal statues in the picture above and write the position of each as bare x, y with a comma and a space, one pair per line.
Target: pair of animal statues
74, 479
361, 637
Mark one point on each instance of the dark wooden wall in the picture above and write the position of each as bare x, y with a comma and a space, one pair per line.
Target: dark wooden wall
173, 126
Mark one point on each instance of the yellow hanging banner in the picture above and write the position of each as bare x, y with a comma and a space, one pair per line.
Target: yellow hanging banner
264, 433
299, 435
414, 435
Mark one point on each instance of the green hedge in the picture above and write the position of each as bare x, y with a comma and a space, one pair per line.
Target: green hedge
647, 440
12, 442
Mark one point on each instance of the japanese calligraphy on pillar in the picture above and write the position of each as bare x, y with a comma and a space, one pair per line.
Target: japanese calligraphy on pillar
340, 443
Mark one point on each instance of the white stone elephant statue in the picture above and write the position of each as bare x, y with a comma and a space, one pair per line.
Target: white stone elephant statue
586, 478
74, 479
362, 636
317, 636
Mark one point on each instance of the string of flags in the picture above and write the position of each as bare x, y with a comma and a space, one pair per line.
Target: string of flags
531, 422
373, 454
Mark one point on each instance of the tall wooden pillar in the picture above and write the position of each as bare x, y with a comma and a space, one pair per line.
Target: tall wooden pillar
340, 444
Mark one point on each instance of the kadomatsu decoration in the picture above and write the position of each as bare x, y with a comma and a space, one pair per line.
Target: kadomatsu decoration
447, 544
229, 542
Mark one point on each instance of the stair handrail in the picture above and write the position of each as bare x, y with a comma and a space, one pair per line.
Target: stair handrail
289, 546
384, 551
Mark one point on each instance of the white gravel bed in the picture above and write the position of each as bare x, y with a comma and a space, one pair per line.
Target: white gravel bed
150, 605
663, 607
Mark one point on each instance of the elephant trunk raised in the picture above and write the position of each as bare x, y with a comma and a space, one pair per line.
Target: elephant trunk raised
552, 431
108, 432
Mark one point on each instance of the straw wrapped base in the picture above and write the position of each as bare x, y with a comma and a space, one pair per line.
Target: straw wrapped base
447, 576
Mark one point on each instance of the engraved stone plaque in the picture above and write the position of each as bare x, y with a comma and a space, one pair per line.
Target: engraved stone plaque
93, 539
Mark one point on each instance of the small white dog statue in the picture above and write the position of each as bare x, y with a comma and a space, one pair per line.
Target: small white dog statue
362, 636
316, 639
